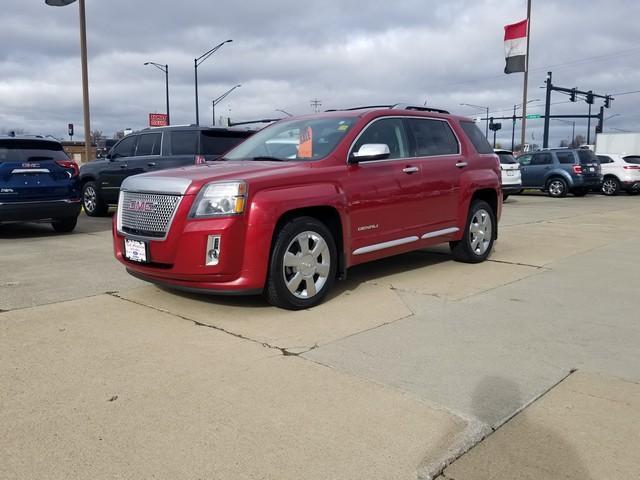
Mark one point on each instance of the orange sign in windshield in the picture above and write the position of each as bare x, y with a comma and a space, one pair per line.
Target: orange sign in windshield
305, 148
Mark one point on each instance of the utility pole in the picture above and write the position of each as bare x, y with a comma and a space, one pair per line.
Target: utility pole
316, 104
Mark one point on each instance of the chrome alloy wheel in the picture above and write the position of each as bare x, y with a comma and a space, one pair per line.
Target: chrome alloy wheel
480, 232
609, 186
90, 198
556, 188
306, 265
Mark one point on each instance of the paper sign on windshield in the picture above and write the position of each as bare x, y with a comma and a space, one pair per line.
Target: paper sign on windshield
305, 148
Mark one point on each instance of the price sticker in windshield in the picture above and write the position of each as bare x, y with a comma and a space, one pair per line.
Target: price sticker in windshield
305, 148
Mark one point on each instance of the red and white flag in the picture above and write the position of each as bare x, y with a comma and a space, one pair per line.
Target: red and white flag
515, 47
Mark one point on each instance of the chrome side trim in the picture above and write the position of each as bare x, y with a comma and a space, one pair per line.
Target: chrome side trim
438, 233
381, 246
155, 184
30, 170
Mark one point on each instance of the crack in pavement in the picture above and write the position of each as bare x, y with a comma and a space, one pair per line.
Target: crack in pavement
283, 350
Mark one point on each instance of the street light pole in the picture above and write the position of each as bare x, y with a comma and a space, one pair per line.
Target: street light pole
85, 74
196, 63
486, 132
218, 100
165, 69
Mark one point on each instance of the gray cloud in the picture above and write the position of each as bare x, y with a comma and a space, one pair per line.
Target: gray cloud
286, 52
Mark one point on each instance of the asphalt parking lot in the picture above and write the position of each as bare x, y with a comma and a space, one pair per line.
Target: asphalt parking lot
530, 358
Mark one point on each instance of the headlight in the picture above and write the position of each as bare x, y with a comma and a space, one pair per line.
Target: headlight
219, 199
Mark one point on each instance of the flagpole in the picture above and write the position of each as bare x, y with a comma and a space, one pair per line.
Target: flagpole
526, 78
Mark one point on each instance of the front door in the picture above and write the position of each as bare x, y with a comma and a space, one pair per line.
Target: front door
118, 168
541, 164
386, 197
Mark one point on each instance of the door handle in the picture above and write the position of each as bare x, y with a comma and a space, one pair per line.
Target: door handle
151, 164
123, 165
410, 170
461, 164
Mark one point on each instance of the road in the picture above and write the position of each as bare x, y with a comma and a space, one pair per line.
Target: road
411, 361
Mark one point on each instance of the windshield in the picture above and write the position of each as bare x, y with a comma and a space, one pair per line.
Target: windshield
308, 139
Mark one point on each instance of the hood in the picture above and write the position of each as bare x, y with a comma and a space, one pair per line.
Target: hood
188, 180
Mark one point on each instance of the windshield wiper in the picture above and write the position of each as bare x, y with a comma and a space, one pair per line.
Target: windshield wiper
268, 159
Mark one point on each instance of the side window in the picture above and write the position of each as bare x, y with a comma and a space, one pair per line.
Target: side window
125, 147
524, 160
432, 137
389, 131
565, 157
605, 159
149, 144
184, 142
477, 138
541, 159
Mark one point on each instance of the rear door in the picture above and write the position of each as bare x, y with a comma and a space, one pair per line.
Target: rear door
437, 152
36, 170
147, 154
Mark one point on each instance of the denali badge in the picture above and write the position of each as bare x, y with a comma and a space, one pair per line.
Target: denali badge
141, 206
368, 227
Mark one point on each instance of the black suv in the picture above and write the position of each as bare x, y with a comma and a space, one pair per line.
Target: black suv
560, 171
149, 150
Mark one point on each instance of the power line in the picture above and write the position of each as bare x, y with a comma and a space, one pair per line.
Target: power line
625, 93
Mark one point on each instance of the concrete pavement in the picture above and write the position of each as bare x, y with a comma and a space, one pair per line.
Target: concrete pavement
411, 362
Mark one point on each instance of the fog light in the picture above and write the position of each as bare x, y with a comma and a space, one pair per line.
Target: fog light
213, 250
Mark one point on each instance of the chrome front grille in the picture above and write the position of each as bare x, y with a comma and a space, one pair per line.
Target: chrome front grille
146, 214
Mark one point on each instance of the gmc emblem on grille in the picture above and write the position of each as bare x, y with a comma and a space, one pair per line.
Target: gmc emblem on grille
141, 206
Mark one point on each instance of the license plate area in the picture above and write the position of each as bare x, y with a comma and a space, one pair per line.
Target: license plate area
510, 173
136, 250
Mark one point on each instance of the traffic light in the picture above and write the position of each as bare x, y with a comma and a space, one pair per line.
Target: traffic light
572, 95
607, 101
598, 129
590, 97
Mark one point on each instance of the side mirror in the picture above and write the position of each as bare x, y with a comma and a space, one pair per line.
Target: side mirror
370, 151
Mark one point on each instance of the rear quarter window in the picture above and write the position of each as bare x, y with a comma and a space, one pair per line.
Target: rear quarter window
565, 158
635, 159
217, 143
476, 137
184, 142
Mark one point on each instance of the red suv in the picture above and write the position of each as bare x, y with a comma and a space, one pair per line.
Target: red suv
294, 206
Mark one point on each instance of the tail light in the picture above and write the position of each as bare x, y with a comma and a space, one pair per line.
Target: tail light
577, 169
69, 165
200, 159
631, 167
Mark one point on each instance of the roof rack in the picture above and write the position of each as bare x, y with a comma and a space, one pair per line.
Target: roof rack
398, 106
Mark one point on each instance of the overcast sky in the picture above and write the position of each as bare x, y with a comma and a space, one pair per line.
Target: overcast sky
286, 53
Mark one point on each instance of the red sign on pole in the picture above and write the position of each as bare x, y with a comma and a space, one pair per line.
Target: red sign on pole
158, 120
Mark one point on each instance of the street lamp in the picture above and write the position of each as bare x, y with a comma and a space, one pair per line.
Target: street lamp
573, 129
196, 63
513, 125
486, 133
284, 111
218, 100
85, 75
165, 69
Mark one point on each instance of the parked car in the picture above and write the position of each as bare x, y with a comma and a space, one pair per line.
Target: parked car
560, 171
38, 182
149, 150
357, 185
510, 173
620, 172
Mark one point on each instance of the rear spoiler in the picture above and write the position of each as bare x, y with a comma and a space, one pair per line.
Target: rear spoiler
264, 120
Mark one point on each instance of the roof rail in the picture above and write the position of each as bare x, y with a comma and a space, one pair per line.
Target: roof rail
400, 106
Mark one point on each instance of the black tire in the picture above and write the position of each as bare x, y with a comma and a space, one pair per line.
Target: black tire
309, 269
610, 186
557, 187
463, 250
65, 225
505, 196
92, 203
580, 192
631, 191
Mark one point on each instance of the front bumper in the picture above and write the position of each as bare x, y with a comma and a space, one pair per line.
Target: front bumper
40, 210
179, 261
